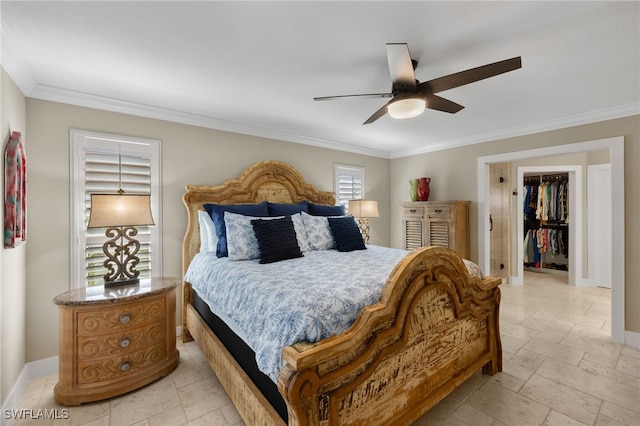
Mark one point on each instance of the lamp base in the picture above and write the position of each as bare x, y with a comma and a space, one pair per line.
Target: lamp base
363, 225
117, 283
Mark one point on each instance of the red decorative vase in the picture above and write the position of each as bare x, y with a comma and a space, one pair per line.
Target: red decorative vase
423, 188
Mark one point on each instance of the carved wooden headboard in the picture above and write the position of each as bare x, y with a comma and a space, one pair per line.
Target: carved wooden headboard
272, 181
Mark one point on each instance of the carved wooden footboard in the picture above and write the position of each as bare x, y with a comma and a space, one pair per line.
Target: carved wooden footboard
434, 327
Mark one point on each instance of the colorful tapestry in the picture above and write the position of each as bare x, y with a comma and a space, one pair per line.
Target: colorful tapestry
15, 183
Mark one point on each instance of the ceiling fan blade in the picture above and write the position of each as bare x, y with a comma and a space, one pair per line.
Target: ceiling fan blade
442, 104
379, 113
401, 67
365, 95
471, 75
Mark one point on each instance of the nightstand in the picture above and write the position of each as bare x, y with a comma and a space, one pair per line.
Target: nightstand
115, 340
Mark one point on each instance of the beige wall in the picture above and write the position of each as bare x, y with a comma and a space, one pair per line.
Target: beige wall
190, 155
12, 261
454, 173
202, 156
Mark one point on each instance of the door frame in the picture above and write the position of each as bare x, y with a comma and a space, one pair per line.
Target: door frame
597, 201
615, 146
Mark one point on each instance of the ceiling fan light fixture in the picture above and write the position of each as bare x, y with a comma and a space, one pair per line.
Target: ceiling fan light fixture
406, 107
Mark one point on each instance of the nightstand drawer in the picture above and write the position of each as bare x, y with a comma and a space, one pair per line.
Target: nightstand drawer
118, 367
125, 341
120, 317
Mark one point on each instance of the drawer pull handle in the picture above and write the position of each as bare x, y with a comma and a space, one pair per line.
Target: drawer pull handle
125, 366
412, 210
438, 211
125, 318
124, 342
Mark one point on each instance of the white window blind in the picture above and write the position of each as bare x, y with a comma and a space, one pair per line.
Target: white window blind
102, 176
349, 183
102, 164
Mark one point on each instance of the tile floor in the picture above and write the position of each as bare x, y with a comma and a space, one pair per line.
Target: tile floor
559, 368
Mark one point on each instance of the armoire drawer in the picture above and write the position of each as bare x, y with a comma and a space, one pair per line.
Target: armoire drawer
439, 212
413, 212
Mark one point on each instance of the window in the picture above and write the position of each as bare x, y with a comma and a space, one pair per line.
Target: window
349, 183
102, 163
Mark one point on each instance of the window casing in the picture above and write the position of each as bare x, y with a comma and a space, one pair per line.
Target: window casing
103, 163
349, 183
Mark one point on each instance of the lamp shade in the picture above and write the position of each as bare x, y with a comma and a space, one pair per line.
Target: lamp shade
109, 210
406, 107
363, 208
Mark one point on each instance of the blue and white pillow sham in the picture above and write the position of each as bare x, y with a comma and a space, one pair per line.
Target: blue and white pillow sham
319, 233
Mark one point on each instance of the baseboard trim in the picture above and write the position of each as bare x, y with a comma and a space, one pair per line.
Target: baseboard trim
632, 338
33, 371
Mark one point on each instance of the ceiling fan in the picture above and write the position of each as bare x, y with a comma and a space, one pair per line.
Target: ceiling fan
410, 97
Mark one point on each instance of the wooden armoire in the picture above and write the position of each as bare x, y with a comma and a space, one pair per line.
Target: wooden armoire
436, 223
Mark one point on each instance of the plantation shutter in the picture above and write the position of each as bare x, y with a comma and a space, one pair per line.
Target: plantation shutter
101, 164
102, 176
349, 184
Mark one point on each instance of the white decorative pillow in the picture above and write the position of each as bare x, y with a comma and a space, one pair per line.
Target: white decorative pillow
208, 237
242, 243
319, 234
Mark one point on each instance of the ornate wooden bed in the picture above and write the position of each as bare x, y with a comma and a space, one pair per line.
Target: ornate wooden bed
434, 327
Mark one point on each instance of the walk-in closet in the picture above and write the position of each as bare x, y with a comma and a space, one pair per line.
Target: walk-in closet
573, 236
546, 205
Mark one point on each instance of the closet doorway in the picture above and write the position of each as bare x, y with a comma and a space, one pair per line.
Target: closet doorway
615, 148
574, 220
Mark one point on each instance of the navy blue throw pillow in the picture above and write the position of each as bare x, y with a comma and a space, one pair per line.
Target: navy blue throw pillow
319, 210
346, 233
276, 239
216, 211
282, 209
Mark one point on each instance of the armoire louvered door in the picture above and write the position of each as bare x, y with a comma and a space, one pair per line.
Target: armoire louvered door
436, 223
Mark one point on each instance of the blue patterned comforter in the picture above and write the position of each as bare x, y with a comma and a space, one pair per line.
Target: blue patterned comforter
271, 306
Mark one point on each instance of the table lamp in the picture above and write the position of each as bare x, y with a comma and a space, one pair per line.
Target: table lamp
362, 210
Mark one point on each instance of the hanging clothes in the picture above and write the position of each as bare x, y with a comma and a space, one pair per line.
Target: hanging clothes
546, 213
552, 202
531, 252
15, 183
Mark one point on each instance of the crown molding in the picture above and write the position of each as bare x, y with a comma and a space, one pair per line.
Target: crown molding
529, 129
13, 63
56, 94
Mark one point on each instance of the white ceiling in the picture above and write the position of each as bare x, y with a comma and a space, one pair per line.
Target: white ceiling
254, 67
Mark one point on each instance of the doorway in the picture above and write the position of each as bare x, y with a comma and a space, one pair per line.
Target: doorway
615, 146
